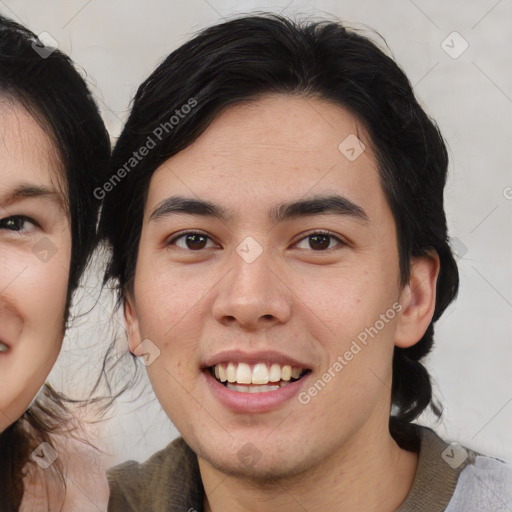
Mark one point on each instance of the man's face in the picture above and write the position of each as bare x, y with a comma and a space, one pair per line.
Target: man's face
258, 296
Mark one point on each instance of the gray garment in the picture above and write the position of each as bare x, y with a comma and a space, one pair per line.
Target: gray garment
170, 481
484, 486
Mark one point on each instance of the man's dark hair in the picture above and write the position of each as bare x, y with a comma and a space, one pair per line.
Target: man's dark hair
245, 58
50, 88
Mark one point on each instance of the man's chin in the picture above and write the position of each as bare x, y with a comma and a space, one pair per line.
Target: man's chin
258, 469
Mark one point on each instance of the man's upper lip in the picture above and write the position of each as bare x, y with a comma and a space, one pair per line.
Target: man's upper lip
242, 356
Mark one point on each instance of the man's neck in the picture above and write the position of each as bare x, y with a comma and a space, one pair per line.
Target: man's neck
361, 475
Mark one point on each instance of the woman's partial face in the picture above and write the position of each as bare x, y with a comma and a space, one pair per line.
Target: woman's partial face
35, 251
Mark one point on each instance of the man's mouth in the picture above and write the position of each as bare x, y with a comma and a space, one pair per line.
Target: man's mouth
3, 347
256, 378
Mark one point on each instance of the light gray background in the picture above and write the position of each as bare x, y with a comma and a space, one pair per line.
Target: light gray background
118, 43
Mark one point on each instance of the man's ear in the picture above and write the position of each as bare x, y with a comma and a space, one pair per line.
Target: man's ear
418, 300
132, 324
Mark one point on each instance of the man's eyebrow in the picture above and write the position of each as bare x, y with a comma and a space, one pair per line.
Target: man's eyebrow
318, 205
179, 204
285, 211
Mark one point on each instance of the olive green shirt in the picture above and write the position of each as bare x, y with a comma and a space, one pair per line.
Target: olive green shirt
170, 480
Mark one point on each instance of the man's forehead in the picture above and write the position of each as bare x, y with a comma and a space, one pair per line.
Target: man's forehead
273, 171
280, 122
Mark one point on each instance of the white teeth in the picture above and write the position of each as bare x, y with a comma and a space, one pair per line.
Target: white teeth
259, 374
243, 374
251, 389
275, 373
3, 347
240, 389
231, 372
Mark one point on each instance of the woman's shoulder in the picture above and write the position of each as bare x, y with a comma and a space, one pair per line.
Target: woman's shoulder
68, 475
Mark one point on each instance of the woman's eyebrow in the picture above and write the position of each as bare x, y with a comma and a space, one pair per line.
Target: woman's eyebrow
29, 190
316, 205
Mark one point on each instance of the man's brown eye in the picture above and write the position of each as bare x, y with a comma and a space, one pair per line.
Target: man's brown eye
190, 241
195, 241
319, 242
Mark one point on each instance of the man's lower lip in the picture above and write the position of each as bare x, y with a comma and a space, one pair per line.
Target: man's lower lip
253, 402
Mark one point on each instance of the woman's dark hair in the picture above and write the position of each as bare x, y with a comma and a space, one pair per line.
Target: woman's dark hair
49, 87
245, 58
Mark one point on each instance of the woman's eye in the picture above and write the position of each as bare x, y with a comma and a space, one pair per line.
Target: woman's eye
18, 223
191, 241
319, 241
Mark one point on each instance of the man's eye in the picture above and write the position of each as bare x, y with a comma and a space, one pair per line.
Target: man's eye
319, 241
18, 223
192, 241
